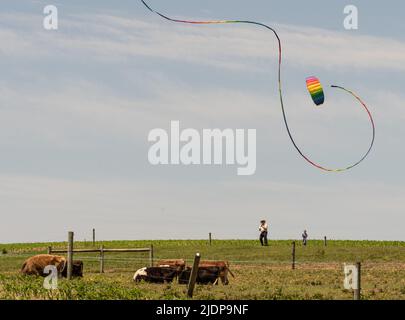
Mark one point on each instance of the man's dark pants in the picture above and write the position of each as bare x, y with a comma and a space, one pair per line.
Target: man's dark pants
263, 238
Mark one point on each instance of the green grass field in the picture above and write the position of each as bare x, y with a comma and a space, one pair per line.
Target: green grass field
261, 272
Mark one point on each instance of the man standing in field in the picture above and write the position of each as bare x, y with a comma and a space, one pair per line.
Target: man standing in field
263, 233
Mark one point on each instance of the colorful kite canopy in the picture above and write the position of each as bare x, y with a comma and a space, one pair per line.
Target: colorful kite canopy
315, 90
313, 87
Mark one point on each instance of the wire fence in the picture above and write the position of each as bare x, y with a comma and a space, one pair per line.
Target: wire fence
130, 265
96, 258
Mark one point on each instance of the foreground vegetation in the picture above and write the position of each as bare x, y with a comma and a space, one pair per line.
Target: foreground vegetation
261, 272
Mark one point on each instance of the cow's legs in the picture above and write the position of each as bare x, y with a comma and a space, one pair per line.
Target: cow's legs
224, 278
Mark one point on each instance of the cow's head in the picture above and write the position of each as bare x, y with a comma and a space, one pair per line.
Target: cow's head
77, 269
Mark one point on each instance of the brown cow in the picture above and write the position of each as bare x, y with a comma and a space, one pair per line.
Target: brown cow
36, 265
178, 264
223, 267
205, 275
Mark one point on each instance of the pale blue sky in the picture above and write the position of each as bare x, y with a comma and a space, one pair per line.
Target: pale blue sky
77, 105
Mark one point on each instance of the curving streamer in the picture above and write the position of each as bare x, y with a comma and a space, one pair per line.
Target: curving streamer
314, 91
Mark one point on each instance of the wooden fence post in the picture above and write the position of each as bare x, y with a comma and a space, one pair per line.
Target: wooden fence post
293, 255
357, 292
70, 255
151, 255
102, 259
50, 250
324, 241
193, 275
210, 237
94, 237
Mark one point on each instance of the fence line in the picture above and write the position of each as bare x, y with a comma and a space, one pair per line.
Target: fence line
252, 262
102, 250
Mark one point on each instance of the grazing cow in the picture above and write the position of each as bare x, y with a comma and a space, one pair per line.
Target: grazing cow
156, 274
206, 275
77, 269
223, 269
178, 264
36, 265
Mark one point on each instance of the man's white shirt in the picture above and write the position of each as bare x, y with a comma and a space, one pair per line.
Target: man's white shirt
263, 227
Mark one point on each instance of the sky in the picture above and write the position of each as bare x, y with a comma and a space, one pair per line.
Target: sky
77, 105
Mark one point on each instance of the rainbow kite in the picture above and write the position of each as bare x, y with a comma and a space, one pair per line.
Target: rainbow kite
314, 88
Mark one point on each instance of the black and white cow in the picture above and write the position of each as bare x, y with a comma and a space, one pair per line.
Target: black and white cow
156, 274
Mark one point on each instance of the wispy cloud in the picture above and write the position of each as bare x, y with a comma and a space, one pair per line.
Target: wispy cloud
77, 113
72, 111
233, 46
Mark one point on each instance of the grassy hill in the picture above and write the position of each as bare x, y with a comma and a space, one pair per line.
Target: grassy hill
261, 272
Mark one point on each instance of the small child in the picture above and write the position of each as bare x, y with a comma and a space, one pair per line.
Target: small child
304, 238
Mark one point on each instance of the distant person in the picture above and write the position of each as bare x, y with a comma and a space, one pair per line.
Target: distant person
263, 233
304, 238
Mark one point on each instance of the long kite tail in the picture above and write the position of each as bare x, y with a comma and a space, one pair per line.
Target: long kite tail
280, 90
